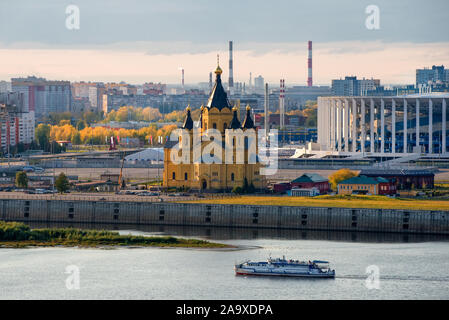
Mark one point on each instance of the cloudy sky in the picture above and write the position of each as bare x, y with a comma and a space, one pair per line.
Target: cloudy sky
147, 40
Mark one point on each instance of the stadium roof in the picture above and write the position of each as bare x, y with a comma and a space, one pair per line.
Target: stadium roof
147, 154
396, 172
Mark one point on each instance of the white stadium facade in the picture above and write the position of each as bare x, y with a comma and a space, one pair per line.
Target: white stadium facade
383, 126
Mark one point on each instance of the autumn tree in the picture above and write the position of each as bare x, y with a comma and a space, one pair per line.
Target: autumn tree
341, 175
311, 115
175, 116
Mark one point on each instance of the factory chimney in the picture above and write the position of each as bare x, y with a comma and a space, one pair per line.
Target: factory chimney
309, 63
210, 80
231, 73
281, 103
267, 115
182, 79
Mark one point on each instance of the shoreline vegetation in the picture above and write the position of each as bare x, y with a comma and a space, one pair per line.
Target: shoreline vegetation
19, 235
337, 201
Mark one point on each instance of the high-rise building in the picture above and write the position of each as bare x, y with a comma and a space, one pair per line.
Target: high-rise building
5, 86
43, 96
259, 83
16, 124
428, 76
351, 86
93, 97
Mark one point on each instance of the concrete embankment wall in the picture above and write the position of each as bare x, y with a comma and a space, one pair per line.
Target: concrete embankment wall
189, 214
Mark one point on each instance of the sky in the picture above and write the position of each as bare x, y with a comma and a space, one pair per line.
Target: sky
141, 41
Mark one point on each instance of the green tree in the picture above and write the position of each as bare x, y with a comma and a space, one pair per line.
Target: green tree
76, 138
43, 136
92, 117
62, 183
56, 117
21, 179
311, 114
80, 125
237, 190
56, 147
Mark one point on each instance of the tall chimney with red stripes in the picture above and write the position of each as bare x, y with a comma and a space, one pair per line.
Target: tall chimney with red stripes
309, 63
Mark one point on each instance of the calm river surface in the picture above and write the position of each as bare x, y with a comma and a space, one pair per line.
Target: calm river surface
410, 268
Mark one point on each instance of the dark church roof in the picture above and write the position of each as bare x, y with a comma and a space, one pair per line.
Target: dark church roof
188, 122
235, 123
248, 122
218, 97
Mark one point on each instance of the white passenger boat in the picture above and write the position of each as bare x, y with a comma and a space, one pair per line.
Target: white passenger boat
287, 268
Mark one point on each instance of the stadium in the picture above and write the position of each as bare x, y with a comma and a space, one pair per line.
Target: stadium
389, 126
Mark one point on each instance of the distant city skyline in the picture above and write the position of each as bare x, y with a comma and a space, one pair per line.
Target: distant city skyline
142, 41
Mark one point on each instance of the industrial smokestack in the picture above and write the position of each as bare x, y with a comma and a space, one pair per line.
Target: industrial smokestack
309, 63
266, 111
182, 80
210, 80
281, 103
231, 73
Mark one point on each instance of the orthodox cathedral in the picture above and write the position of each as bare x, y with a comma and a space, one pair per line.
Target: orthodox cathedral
218, 114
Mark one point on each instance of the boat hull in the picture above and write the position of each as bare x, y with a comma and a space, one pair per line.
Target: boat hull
241, 272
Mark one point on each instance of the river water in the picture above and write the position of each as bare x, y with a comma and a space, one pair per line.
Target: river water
409, 267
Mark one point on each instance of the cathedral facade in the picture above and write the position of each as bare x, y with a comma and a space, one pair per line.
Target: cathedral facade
234, 148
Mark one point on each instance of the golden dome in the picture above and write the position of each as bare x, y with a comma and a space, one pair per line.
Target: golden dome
234, 108
248, 107
218, 70
188, 108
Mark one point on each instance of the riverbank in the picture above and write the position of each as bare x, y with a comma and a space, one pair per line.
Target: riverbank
338, 201
19, 235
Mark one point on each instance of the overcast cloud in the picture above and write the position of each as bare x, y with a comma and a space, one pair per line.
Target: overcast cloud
198, 25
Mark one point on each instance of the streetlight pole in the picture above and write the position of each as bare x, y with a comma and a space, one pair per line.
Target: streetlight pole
53, 188
8, 140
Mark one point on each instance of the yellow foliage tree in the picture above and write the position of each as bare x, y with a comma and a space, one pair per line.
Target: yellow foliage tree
101, 135
341, 175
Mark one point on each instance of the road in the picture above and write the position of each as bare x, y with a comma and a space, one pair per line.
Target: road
147, 174
106, 197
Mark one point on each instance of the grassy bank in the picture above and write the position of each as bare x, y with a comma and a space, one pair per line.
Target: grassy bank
338, 201
17, 235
